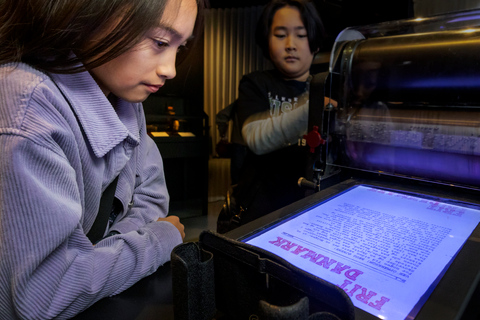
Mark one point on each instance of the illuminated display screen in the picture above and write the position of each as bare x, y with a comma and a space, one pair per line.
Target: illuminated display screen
385, 249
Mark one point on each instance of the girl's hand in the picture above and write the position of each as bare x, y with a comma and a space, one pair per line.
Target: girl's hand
176, 222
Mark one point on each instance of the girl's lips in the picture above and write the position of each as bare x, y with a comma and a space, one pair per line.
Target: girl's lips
152, 88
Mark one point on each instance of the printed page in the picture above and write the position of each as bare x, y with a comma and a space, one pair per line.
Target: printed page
384, 249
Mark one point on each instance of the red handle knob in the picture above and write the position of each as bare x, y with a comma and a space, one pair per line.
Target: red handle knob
314, 139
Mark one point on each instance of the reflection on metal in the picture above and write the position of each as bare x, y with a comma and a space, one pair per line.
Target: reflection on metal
409, 100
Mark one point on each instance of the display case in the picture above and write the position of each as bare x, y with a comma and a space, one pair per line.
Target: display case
181, 135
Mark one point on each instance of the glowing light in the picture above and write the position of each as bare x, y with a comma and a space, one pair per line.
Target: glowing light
467, 18
469, 30
419, 19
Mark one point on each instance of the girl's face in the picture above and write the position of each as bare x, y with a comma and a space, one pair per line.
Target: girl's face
288, 44
142, 70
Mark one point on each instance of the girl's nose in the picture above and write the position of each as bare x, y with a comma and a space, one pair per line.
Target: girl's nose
166, 66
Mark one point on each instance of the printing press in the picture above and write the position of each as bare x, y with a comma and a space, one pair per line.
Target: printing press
408, 100
392, 216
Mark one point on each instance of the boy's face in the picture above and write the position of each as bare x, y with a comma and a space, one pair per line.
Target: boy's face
142, 70
288, 44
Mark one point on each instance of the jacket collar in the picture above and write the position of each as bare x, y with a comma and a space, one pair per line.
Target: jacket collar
103, 125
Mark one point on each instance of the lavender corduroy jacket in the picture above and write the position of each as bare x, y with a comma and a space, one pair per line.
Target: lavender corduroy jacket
56, 158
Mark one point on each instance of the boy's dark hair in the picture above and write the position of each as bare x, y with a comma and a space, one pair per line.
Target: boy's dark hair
45, 33
310, 18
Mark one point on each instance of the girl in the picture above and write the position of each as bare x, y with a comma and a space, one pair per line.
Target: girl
73, 75
273, 108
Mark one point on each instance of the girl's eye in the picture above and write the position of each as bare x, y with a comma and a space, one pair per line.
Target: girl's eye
280, 36
302, 35
161, 44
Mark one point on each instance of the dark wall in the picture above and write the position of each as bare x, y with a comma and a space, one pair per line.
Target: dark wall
340, 14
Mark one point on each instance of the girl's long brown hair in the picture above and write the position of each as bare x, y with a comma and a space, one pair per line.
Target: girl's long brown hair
56, 35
